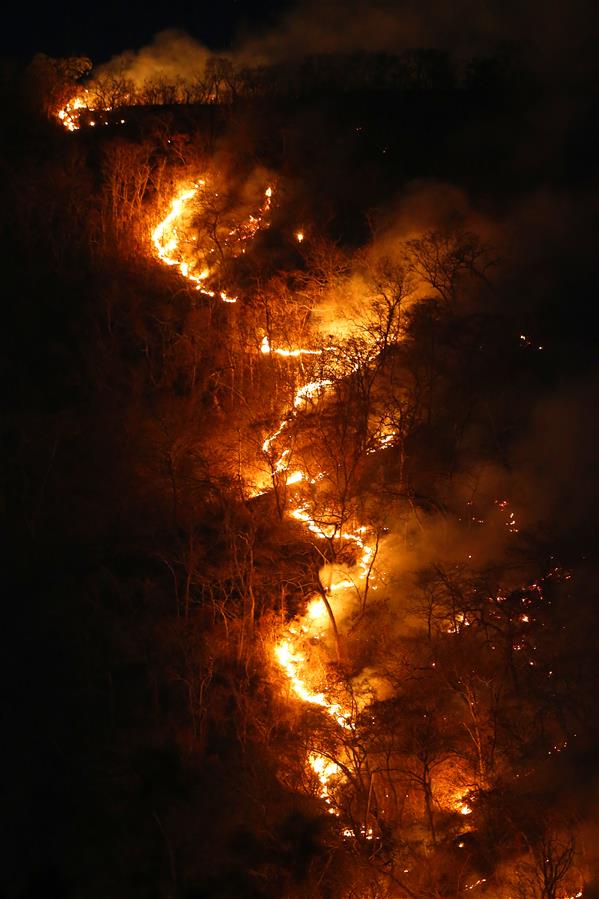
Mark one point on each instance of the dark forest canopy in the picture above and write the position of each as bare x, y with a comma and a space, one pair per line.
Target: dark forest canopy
443, 285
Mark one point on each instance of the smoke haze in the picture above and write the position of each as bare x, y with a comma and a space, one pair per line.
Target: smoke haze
172, 54
556, 40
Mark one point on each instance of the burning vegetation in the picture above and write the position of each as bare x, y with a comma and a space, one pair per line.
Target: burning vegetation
331, 584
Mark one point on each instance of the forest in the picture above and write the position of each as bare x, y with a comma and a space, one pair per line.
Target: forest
300, 481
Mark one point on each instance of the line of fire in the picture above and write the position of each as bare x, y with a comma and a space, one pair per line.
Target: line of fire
303, 474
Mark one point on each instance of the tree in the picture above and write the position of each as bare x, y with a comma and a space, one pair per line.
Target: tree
549, 870
127, 170
221, 80
109, 91
445, 260
51, 83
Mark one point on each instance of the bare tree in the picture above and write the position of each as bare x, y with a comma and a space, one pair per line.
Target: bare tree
550, 870
445, 259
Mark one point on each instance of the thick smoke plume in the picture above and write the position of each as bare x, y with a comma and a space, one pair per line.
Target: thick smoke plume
171, 55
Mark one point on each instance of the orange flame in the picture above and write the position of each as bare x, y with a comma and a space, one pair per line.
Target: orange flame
167, 243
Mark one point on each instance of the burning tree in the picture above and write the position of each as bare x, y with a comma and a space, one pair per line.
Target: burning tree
54, 82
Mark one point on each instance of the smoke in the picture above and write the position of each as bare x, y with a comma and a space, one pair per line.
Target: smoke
552, 37
547, 491
546, 487
555, 40
555, 463
341, 27
424, 205
171, 55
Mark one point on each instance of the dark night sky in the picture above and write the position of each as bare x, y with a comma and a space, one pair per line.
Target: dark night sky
100, 31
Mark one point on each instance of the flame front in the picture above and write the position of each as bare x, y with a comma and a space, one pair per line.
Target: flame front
292, 661
306, 636
165, 238
172, 252
70, 114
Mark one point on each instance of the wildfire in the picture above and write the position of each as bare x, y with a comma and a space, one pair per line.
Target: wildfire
69, 115
325, 770
459, 801
295, 663
292, 661
292, 651
172, 252
165, 237
309, 391
288, 651
266, 348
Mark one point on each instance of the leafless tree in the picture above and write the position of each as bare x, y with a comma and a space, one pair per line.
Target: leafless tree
446, 259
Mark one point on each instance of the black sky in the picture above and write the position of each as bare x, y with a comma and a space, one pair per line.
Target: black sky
100, 31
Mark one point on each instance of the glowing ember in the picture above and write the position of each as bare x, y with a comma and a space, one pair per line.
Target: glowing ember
476, 883
366, 833
510, 516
